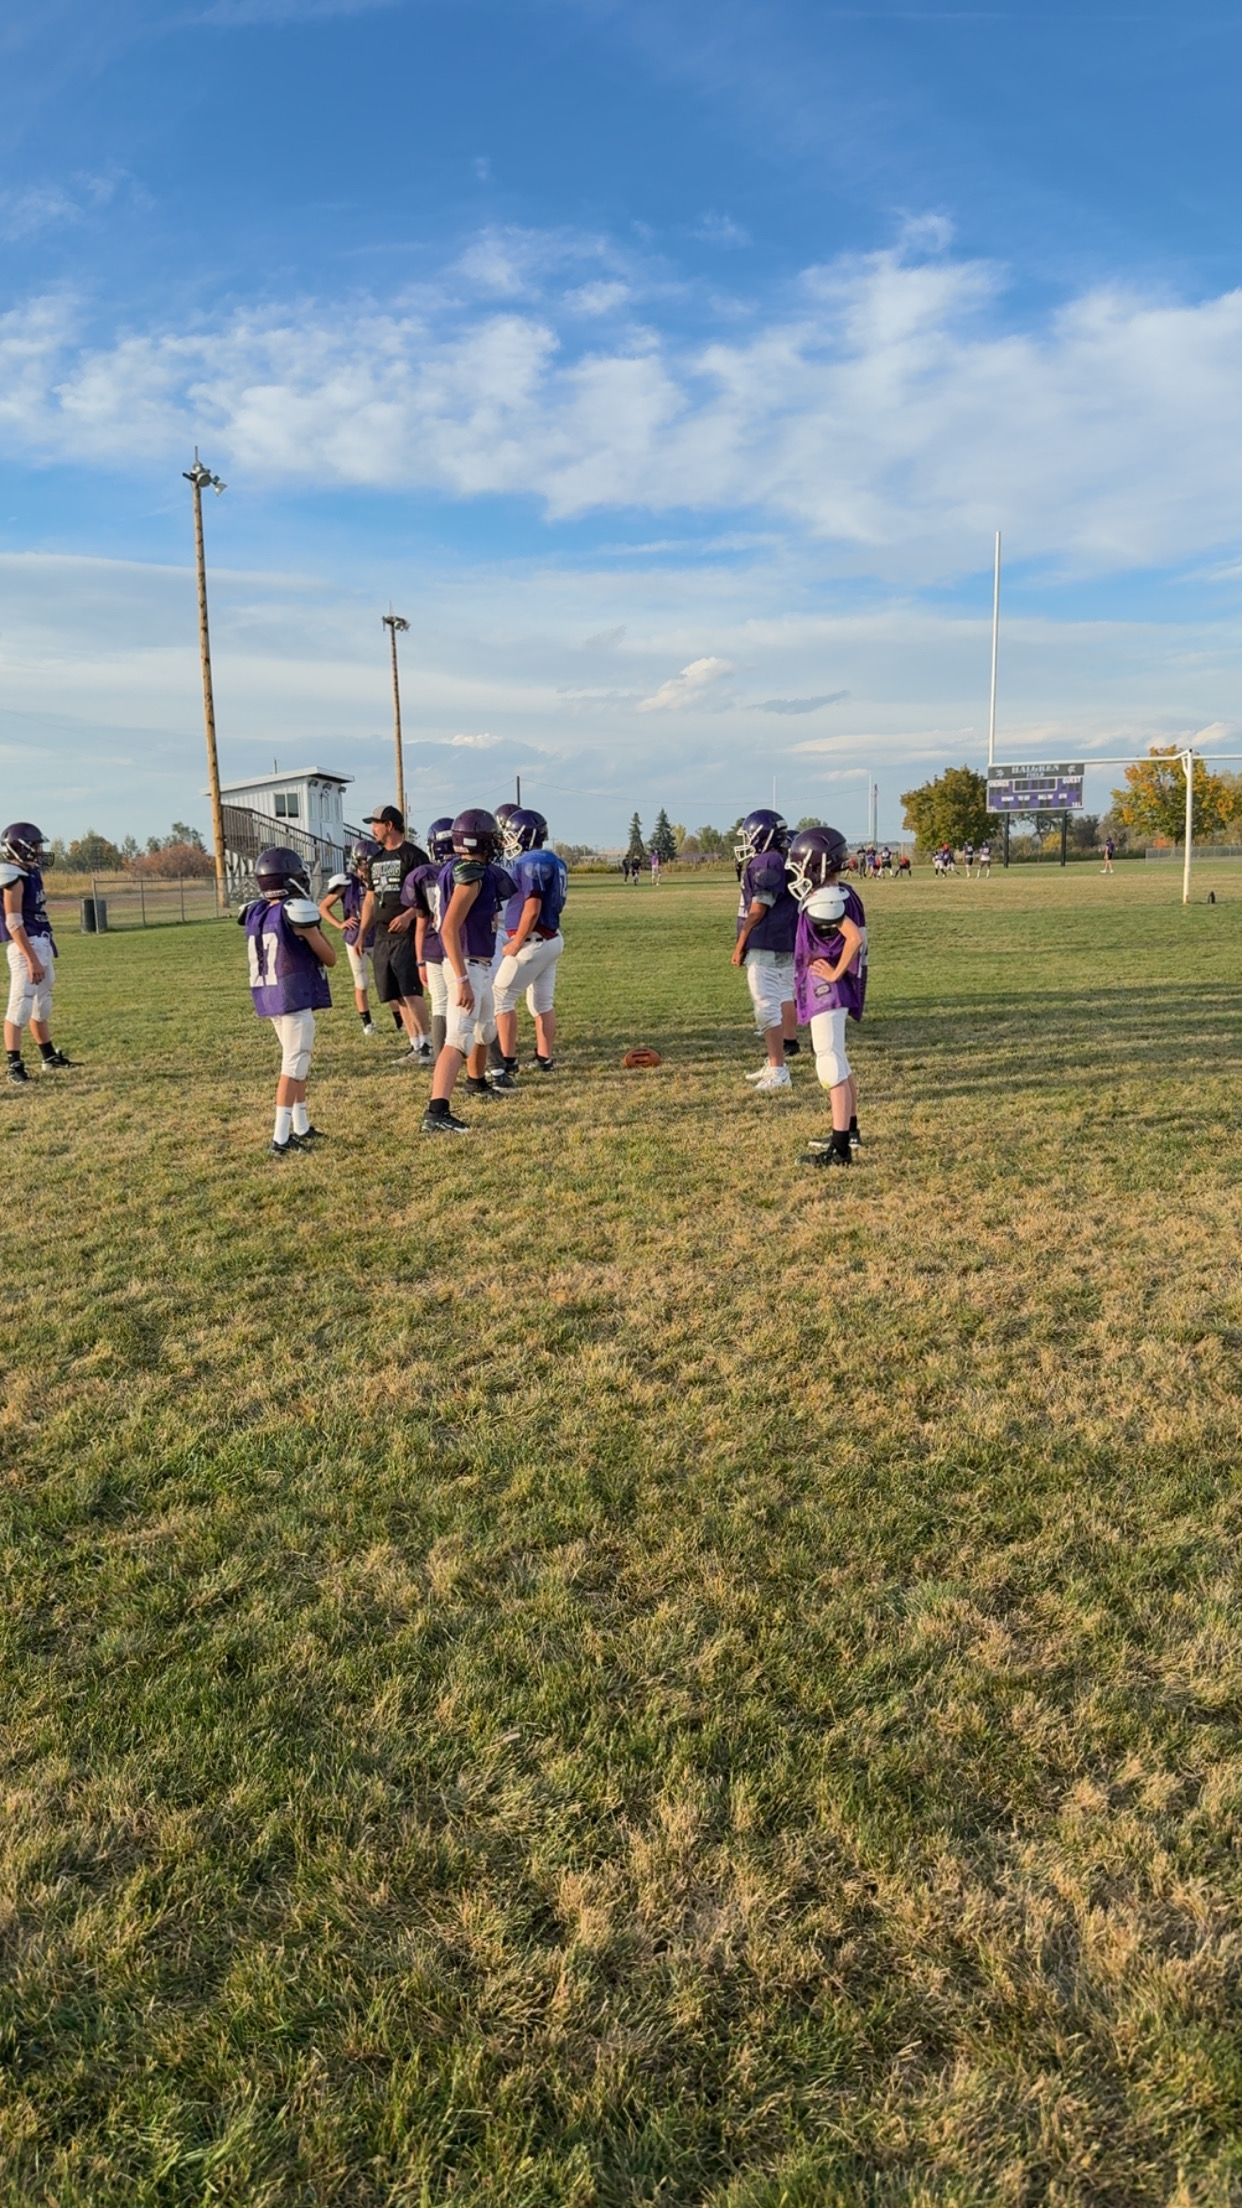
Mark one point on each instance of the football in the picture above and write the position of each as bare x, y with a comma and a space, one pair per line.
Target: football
642, 1056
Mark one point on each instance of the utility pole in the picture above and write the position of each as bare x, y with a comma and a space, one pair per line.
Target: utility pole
392, 622
199, 478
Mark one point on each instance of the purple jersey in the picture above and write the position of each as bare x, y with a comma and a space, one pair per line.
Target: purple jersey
421, 890
815, 995
285, 975
764, 880
351, 905
479, 931
34, 907
543, 875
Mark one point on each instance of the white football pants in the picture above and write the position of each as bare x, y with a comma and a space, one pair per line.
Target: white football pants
30, 1000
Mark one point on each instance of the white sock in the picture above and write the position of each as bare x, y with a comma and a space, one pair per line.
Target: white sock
284, 1122
301, 1119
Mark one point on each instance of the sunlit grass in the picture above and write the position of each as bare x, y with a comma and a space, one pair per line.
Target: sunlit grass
595, 1665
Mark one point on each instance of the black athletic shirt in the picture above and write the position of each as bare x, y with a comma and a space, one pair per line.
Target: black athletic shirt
385, 873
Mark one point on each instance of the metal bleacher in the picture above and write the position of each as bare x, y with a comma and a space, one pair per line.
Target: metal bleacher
246, 833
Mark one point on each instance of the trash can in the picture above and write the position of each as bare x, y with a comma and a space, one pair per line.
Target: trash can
88, 916
94, 916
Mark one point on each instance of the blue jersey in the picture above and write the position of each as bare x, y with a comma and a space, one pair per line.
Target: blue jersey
34, 904
479, 932
765, 881
285, 975
421, 891
543, 875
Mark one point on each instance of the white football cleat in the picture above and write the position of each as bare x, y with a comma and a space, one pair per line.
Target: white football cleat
772, 1079
762, 1074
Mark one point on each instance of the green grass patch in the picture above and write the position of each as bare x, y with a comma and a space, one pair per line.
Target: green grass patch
591, 1665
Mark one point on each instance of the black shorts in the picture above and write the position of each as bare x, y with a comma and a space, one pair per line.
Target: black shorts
395, 967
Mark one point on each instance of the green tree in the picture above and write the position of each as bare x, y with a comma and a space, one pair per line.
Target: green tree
662, 837
952, 809
636, 848
811, 821
183, 833
93, 854
713, 843
1153, 802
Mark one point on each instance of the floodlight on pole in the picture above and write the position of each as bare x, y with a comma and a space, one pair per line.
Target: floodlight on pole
392, 622
200, 479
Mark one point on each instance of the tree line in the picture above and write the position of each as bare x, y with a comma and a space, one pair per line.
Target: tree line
180, 855
953, 808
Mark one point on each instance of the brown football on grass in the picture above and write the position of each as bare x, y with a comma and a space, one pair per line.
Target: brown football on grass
642, 1056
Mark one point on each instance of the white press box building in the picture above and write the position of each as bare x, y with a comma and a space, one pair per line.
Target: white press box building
308, 800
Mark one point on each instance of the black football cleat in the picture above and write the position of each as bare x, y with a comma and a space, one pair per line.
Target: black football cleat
54, 1061
17, 1072
855, 1139
825, 1153
281, 1149
543, 1065
502, 1080
443, 1123
308, 1140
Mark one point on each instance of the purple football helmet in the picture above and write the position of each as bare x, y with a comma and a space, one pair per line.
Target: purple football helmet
525, 830
815, 856
361, 855
762, 830
440, 839
281, 873
504, 813
22, 844
476, 834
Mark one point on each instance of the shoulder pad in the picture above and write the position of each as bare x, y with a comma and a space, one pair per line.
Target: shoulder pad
9, 875
245, 913
301, 913
466, 871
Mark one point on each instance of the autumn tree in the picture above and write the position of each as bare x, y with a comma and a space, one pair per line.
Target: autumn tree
952, 809
1153, 802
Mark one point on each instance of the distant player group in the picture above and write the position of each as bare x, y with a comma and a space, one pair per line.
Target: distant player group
450, 937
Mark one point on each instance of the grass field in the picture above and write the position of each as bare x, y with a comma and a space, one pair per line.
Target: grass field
591, 1665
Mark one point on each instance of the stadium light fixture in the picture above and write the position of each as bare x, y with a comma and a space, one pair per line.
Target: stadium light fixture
200, 478
392, 622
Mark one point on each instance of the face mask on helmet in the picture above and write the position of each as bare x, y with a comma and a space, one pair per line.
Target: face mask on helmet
762, 830
280, 872
815, 856
23, 844
361, 855
525, 830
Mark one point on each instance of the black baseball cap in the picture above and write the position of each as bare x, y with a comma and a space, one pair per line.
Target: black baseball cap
385, 816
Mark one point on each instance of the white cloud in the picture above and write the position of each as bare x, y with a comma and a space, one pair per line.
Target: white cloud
799, 705
722, 230
474, 743
687, 688
888, 409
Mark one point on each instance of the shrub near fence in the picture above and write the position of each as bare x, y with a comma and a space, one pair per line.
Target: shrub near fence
133, 901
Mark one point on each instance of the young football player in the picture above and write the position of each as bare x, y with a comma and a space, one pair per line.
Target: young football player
767, 921
472, 890
347, 891
968, 855
984, 864
421, 891
391, 923
288, 952
830, 971
531, 941
26, 932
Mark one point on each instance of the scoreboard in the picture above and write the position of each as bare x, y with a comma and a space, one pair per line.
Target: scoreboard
1036, 789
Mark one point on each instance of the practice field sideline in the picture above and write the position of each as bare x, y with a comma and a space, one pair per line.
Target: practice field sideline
592, 1665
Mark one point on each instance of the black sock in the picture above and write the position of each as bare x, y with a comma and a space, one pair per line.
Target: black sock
841, 1141
47, 1050
792, 1047
365, 1018
438, 1108
397, 1021
477, 1084
15, 1056
511, 1064
853, 1123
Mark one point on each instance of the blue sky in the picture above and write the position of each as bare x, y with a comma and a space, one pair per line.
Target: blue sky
668, 366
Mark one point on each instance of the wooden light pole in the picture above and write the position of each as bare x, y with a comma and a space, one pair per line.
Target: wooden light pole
392, 622
199, 478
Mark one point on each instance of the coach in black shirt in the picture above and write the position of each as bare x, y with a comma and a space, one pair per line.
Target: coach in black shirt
392, 953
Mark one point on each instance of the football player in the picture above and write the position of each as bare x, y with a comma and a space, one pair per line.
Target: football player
767, 921
531, 940
421, 891
985, 862
26, 932
348, 891
830, 973
288, 952
472, 890
392, 952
